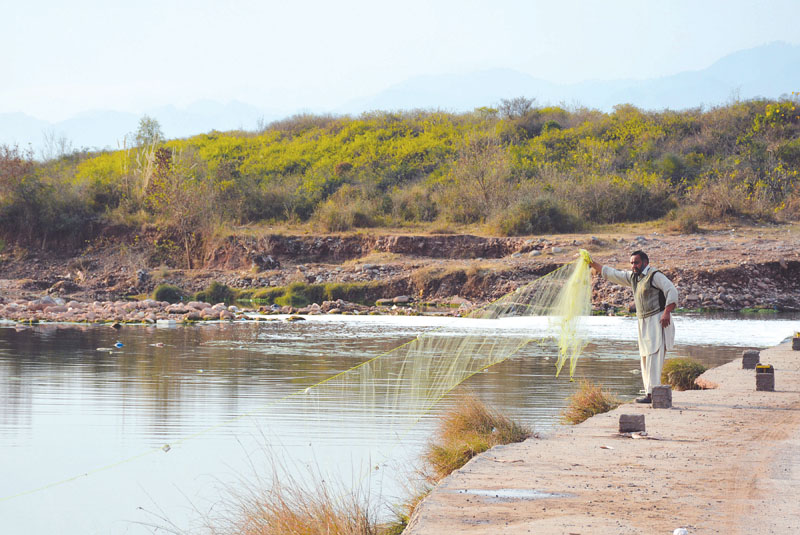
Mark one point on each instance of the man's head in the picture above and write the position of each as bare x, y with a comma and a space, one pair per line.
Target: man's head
639, 261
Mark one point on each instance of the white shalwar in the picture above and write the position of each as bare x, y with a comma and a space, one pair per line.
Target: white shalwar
654, 340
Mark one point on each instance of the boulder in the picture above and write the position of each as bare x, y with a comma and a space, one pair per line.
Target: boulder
263, 262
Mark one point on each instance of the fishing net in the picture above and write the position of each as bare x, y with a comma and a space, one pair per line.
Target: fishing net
404, 383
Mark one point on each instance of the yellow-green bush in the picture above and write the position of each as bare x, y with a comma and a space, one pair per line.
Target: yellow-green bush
680, 373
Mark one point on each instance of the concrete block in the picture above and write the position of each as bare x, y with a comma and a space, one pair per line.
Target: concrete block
631, 423
796, 343
750, 358
662, 397
765, 378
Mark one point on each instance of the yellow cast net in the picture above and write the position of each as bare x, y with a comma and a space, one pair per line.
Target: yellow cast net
408, 380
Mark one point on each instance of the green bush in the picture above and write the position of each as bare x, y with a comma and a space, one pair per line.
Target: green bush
217, 293
169, 293
268, 295
680, 373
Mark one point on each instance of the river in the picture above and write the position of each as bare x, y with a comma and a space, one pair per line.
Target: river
153, 434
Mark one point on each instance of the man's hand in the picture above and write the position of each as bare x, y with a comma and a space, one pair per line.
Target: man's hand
596, 266
666, 317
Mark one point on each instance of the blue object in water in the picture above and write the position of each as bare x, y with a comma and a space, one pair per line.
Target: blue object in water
118, 345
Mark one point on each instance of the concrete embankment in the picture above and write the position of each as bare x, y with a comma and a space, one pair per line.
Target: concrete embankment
725, 460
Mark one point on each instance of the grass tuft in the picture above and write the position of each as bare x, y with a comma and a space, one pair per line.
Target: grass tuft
680, 373
468, 429
588, 400
309, 507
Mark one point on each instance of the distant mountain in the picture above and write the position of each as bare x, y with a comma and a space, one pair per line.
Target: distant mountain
766, 71
106, 129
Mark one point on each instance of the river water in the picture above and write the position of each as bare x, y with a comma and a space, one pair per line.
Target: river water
151, 435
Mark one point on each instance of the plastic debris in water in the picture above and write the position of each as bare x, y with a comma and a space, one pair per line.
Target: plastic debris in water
680, 531
118, 345
166, 448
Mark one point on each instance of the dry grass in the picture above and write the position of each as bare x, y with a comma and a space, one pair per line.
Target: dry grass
404, 512
290, 506
467, 430
590, 399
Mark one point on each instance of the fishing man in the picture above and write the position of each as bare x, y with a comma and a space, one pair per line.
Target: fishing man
655, 298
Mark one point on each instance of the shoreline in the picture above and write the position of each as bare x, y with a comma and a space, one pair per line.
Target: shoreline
738, 269
725, 460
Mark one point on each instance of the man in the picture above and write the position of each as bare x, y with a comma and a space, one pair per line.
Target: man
655, 298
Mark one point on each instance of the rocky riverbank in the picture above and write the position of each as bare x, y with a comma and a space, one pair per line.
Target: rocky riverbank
748, 269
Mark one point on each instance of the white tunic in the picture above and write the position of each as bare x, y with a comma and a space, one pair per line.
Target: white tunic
651, 335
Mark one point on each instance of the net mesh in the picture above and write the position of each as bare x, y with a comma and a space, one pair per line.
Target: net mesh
406, 382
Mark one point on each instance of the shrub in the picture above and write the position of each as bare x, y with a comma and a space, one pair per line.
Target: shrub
346, 209
268, 295
466, 430
540, 215
684, 219
680, 373
590, 399
217, 293
168, 293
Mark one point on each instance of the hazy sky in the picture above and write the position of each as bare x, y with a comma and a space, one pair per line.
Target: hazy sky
60, 58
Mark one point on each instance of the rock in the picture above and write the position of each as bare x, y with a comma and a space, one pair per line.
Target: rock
535, 253
557, 250
194, 315
142, 276
705, 384
65, 286
400, 299
263, 262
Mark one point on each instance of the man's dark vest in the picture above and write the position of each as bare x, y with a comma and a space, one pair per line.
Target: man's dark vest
648, 299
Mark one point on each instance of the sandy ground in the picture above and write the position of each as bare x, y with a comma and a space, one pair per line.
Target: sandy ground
720, 461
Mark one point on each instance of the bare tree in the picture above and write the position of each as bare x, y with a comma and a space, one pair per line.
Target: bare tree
55, 145
516, 107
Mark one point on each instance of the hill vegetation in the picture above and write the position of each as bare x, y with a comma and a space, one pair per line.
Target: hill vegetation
515, 169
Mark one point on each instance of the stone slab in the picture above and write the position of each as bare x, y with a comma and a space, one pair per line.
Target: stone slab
662, 397
631, 423
750, 358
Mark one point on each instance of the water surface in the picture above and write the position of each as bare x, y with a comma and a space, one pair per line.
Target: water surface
117, 441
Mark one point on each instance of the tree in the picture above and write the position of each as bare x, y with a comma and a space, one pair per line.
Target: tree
516, 108
149, 132
55, 145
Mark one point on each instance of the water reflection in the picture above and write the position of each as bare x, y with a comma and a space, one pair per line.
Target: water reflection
67, 409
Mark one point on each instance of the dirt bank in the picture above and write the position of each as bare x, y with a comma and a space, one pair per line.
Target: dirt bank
720, 461
728, 269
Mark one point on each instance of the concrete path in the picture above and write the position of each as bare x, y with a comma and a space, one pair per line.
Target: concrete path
723, 461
